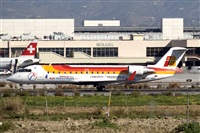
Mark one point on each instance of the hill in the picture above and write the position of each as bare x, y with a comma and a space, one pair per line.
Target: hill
130, 13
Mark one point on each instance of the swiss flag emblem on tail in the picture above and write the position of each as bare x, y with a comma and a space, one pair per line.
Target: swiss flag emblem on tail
30, 50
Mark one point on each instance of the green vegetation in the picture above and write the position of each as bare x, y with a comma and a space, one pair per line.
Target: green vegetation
24, 105
12, 105
7, 125
134, 99
63, 116
193, 127
105, 123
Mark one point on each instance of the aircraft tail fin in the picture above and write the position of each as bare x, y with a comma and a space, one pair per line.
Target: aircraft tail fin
171, 59
30, 50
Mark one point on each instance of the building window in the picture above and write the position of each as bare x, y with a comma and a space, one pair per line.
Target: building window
105, 52
15, 52
69, 51
59, 51
193, 51
4, 52
156, 51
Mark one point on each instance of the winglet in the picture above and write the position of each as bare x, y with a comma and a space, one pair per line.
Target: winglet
132, 76
30, 50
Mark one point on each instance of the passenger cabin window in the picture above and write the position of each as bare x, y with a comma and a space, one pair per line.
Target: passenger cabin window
24, 70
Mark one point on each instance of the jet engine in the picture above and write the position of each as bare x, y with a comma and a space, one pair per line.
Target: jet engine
140, 70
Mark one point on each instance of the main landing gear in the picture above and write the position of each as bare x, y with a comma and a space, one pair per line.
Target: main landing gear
21, 87
100, 88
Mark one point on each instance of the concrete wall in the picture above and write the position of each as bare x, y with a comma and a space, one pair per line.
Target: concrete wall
126, 48
101, 23
172, 28
36, 27
193, 43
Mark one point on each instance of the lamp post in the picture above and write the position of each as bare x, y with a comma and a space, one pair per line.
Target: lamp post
187, 109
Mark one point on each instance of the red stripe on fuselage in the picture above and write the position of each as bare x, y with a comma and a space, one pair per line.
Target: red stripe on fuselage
90, 68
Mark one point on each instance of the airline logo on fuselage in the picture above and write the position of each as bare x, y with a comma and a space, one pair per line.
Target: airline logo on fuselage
32, 76
59, 77
65, 78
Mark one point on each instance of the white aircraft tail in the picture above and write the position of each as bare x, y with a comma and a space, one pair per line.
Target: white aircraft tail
171, 59
30, 50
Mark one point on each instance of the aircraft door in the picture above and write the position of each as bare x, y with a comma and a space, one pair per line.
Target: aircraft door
38, 72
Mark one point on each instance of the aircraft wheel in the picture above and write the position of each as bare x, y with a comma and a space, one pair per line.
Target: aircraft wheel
21, 87
100, 88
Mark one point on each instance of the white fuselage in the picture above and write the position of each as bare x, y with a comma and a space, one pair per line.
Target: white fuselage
36, 74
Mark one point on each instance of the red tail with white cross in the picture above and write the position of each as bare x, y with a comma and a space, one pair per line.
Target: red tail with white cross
30, 51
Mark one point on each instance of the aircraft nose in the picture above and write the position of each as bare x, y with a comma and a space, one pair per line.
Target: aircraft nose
12, 78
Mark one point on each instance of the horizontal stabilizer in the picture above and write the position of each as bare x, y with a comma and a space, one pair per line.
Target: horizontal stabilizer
29, 62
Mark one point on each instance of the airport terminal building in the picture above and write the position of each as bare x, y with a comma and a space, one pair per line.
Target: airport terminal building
98, 42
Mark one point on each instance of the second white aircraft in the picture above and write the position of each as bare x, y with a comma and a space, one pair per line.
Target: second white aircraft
25, 59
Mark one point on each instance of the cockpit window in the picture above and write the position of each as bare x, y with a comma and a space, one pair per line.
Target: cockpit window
24, 70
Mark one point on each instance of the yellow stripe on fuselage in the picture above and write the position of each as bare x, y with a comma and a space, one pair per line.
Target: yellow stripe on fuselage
51, 69
165, 72
48, 68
